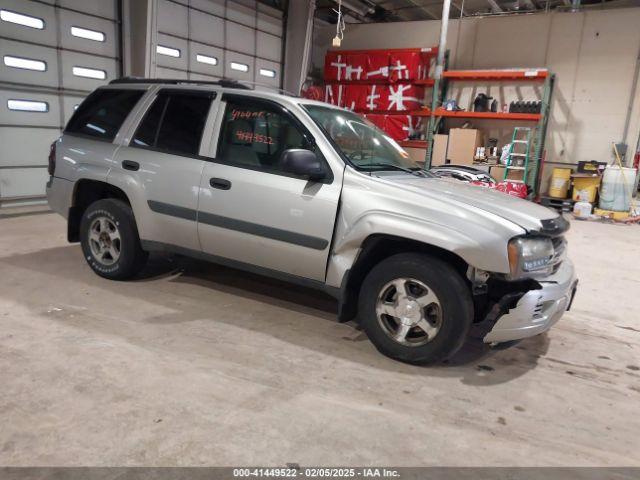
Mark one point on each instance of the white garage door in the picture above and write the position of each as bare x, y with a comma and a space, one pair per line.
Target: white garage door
52, 54
211, 39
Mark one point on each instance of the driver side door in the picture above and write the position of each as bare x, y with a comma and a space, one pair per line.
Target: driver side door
250, 209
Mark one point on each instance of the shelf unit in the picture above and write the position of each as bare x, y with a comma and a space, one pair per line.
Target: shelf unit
436, 114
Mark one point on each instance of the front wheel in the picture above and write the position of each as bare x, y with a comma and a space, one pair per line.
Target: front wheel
415, 308
109, 239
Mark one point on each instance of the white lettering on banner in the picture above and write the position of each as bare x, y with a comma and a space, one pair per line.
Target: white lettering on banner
382, 71
339, 66
350, 69
329, 96
401, 69
371, 99
397, 98
410, 128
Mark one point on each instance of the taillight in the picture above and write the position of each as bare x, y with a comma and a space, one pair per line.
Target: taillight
52, 158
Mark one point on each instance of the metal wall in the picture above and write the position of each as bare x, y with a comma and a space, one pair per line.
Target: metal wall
36, 102
206, 39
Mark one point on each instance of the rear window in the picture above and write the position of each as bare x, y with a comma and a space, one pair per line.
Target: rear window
102, 113
175, 122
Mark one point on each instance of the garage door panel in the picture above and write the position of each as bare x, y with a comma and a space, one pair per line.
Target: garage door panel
267, 73
48, 77
75, 63
202, 58
269, 46
200, 76
69, 105
29, 108
170, 73
48, 58
179, 44
269, 24
232, 58
172, 18
207, 28
103, 8
241, 38
27, 146
47, 14
212, 6
244, 14
23, 182
91, 26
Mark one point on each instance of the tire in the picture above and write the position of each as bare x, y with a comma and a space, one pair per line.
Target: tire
434, 293
109, 239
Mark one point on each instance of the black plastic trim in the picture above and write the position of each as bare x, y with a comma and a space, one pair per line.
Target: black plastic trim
287, 236
555, 226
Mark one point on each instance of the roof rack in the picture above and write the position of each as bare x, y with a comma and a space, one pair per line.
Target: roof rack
225, 82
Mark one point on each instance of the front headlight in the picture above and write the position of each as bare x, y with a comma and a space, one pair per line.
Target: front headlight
530, 256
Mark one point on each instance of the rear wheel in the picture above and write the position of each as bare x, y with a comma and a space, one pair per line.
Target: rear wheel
109, 239
415, 308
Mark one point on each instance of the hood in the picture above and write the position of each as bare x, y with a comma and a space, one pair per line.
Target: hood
524, 213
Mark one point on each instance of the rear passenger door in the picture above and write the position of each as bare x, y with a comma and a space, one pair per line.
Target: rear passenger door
161, 166
250, 209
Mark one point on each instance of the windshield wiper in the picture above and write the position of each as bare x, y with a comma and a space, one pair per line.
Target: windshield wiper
390, 166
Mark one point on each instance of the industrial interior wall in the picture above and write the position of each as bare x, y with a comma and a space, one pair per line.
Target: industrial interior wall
593, 53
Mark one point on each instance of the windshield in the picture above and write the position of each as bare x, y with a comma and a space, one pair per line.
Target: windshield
360, 141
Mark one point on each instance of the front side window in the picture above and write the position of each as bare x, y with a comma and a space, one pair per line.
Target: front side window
255, 135
102, 113
174, 123
360, 141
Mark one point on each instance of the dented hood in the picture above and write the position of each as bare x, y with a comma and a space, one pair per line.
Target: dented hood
524, 213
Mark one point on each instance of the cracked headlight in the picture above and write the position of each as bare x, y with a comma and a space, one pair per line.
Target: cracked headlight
530, 256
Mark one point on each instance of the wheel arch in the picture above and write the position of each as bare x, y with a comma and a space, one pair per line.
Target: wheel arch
378, 247
87, 191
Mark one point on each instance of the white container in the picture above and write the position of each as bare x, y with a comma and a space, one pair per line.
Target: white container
617, 188
582, 209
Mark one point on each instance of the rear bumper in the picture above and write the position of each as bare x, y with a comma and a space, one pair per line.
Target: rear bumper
537, 310
59, 195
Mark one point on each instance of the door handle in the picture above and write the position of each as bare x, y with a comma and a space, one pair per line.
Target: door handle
130, 165
220, 183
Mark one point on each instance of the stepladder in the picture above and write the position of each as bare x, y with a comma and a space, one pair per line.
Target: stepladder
519, 155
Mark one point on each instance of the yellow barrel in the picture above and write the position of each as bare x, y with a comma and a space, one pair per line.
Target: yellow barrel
559, 187
585, 187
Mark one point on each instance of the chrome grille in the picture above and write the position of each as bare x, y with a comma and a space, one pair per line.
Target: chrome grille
559, 252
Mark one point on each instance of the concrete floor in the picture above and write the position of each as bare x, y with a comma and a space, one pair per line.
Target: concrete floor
200, 365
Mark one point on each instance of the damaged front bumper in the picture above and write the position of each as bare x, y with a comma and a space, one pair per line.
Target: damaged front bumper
537, 310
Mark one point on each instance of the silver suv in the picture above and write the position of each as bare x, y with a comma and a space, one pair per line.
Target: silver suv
303, 191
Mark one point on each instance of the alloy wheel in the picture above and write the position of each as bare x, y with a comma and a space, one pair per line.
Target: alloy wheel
104, 240
409, 312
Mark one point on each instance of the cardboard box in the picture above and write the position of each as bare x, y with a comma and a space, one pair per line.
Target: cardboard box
439, 156
462, 145
497, 172
416, 154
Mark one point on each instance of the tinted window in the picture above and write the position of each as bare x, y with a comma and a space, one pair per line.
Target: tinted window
174, 123
102, 113
254, 135
146, 133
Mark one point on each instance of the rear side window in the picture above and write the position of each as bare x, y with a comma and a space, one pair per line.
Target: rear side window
174, 123
102, 113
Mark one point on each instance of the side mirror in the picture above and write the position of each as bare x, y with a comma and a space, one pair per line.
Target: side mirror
304, 163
